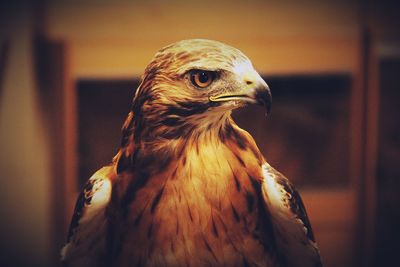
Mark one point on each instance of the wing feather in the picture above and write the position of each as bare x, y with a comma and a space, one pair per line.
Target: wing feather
295, 237
86, 235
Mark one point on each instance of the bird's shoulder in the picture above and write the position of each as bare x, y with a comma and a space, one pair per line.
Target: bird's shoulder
292, 226
89, 218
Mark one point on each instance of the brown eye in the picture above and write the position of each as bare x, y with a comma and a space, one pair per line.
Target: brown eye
202, 78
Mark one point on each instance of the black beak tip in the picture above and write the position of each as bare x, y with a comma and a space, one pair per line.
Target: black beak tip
264, 98
268, 108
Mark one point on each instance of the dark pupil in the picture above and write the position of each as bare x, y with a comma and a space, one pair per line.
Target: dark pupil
203, 77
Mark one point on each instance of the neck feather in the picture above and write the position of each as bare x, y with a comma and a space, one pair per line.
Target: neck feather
160, 146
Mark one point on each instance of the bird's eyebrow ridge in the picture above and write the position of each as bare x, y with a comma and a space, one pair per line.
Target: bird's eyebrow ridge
183, 73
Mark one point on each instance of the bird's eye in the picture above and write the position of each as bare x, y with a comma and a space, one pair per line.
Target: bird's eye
202, 78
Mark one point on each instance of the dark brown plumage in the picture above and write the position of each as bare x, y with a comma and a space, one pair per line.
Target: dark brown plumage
188, 186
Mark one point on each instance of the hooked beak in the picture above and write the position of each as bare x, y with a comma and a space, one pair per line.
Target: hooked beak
259, 94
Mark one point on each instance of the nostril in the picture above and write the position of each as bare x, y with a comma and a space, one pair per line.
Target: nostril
249, 82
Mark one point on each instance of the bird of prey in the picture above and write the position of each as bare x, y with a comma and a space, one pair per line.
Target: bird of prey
189, 187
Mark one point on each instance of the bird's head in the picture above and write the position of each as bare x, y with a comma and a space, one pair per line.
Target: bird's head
197, 83
185, 99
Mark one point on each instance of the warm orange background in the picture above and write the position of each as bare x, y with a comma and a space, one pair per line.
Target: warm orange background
116, 39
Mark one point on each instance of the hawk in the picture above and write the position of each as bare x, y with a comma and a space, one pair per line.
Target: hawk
189, 187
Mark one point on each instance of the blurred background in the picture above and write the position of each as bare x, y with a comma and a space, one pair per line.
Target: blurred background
68, 71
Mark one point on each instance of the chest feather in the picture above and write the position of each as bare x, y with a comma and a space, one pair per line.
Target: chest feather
203, 210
